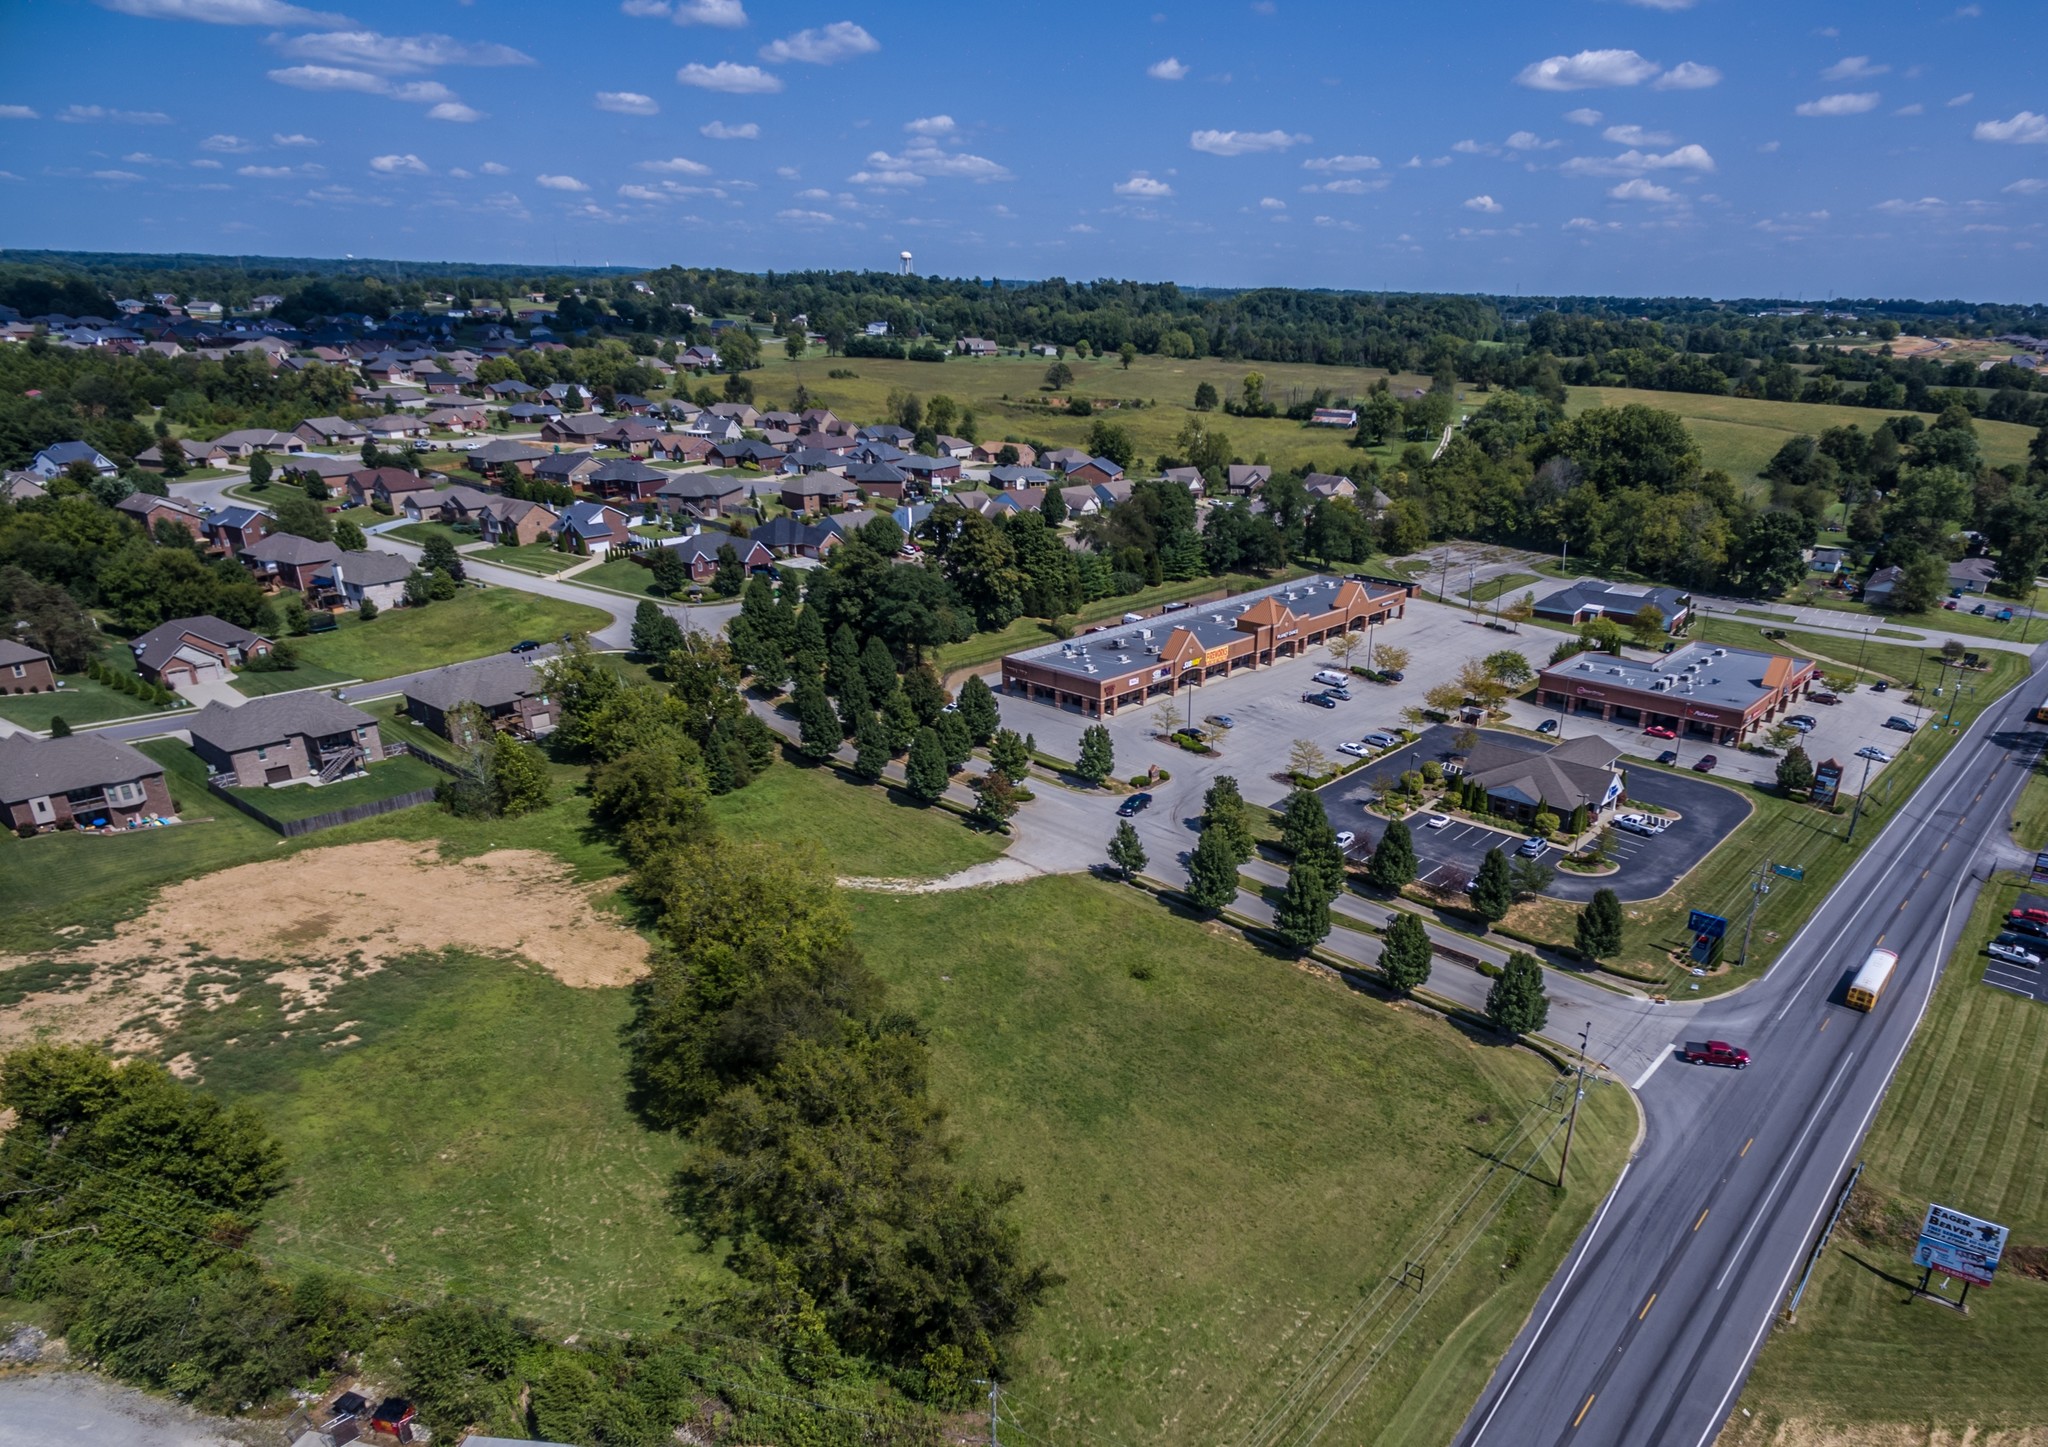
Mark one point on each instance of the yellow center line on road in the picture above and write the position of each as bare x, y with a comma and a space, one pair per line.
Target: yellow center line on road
1585, 1409
1745, 1147
1925, 872
1824, 1023
1703, 1217
1903, 903
1646, 1306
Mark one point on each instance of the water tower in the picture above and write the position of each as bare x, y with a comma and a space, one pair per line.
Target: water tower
904, 257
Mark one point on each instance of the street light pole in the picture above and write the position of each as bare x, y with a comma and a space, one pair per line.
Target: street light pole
1578, 1094
1856, 811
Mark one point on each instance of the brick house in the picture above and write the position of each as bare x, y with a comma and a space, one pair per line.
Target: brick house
195, 650
700, 495
48, 783
330, 432
287, 561
626, 480
505, 457
600, 526
511, 522
354, 579
814, 492
285, 738
388, 485
234, 528
508, 689
149, 510
701, 554
24, 669
567, 469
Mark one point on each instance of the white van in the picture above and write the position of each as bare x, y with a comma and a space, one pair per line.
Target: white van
1134, 617
1331, 677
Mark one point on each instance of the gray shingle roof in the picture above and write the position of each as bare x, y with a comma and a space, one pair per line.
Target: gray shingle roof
12, 653
31, 767
368, 569
487, 681
290, 548
157, 645
272, 720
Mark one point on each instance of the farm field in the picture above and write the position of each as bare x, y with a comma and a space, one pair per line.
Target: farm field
1205, 1196
1960, 1125
473, 623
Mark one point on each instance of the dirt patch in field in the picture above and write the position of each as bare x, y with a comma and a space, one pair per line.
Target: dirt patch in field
1798, 1433
324, 915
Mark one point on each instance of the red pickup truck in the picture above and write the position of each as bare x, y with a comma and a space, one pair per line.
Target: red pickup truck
1716, 1052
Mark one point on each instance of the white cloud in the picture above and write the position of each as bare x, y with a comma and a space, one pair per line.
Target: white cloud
2024, 129
1274, 203
720, 131
1149, 188
1925, 206
1484, 203
1635, 163
1341, 163
723, 14
1688, 75
1167, 69
815, 218
115, 176
225, 12
492, 168
643, 9
227, 145
405, 165
1583, 116
1852, 104
730, 78
205, 164
887, 176
924, 156
675, 166
1350, 186
19, 113
1243, 143
267, 173
930, 126
144, 158
445, 106
79, 115
1964, 99
294, 139
1915, 109
459, 173
1530, 141
8, 176
454, 110
2030, 186
1853, 67
1664, 4
561, 183
1474, 148
841, 40
1588, 70
643, 193
1637, 136
627, 103
1640, 190
1587, 223
398, 53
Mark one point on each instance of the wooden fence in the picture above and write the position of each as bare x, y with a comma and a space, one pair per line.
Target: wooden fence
335, 818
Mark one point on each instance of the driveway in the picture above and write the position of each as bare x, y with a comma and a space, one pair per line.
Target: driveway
1647, 866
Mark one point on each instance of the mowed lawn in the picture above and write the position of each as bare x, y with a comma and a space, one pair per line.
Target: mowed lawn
1963, 1125
1223, 1159
473, 623
471, 1135
862, 830
385, 780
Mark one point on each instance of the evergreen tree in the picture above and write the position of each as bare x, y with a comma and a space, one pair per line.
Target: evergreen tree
977, 708
952, 731
1126, 850
1098, 754
901, 721
925, 770
655, 634
1224, 808
878, 668
1393, 861
853, 703
728, 577
807, 646
1304, 823
1303, 914
927, 694
58, 728
671, 573
1008, 756
1212, 872
1516, 1004
1581, 817
842, 660
1795, 771
818, 731
1405, 953
721, 771
1493, 890
1599, 929
871, 751
438, 555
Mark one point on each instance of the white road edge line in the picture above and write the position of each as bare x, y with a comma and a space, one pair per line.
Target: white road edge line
1655, 1065
1585, 1250
1855, 1142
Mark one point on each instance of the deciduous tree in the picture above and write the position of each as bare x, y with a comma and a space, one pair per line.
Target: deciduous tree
1126, 850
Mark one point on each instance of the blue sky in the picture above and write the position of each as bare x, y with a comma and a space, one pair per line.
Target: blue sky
1619, 147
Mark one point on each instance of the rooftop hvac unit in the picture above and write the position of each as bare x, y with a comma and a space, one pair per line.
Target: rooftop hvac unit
1144, 632
1153, 650
1091, 668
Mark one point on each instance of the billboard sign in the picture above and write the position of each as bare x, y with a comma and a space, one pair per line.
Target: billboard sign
2041, 869
1960, 1246
1710, 925
1827, 781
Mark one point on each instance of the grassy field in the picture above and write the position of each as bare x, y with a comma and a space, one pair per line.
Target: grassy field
473, 1137
1493, 588
1961, 1125
401, 775
421, 532
79, 702
305, 675
1961, 620
861, 829
473, 623
622, 574
1217, 1205
1741, 435
544, 561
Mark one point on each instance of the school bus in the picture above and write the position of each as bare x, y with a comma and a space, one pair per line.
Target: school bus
1868, 986
2041, 712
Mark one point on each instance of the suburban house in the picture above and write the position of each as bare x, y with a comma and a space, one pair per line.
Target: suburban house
249, 441
330, 432
1878, 587
235, 528
814, 492
1325, 484
575, 429
566, 469
1589, 598
58, 456
1972, 575
148, 509
625, 479
679, 447
195, 650
1827, 560
288, 561
506, 688
511, 522
878, 479
788, 538
24, 669
504, 456
600, 526
993, 452
1334, 417
975, 347
388, 485
1522, 782
1096, 469
1703, 691
701, 553
395, 427
354, 579
1242, 479
1062, 458
1019, 476
930, 471
285, 738
1129, 665
1188, 477
83, 779
700, 495
456, 503
458, 419
745, 452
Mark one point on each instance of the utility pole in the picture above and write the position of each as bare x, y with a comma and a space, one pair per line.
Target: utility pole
1757, 891
1856, 810
995, 1392
1578, 1094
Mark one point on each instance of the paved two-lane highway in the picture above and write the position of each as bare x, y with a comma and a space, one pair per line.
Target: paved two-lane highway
1648, 1331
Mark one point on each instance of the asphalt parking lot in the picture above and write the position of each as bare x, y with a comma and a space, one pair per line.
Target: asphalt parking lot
2020, 979
1648, 866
